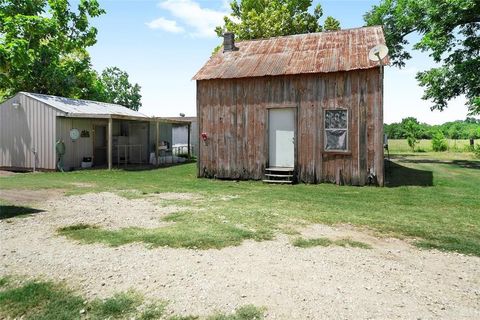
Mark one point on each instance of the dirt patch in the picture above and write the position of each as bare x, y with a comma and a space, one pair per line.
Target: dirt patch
4, 173
175, 196
82, 184
20, 197
392, 280
346, 231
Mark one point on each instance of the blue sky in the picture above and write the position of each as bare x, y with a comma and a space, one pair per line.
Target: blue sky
163, 43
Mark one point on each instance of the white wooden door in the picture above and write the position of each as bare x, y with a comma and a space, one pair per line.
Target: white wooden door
281, 137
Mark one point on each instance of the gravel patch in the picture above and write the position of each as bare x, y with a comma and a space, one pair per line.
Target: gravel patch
106, 210
392, 280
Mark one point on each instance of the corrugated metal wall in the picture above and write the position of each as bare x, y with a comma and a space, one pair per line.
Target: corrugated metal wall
83, 146
29, 126
234, 113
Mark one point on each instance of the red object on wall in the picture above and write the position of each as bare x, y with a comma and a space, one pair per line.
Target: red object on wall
204, 136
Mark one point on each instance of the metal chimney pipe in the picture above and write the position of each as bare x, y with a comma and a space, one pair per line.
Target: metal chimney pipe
229, 42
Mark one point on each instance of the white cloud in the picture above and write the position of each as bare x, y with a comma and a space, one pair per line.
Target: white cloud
166, 25
202, 21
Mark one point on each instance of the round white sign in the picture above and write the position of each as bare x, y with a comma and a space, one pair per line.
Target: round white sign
74, 134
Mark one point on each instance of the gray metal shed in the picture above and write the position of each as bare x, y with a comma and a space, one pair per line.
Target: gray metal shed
30, 125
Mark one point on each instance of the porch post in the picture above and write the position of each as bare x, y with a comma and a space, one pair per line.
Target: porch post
188, 140
109, 144
156, 141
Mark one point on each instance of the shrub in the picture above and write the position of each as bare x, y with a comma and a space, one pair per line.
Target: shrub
476, 151
439, 143
411, 130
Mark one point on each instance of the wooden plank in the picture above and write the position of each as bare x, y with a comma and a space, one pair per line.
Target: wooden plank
379, 151
199, 126
318, 140
362, 129
354, 128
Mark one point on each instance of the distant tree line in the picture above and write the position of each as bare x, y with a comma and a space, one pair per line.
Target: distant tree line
460, 129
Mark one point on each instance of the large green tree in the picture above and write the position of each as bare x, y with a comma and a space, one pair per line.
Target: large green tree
116, 88
254, 19
43, 47
449, 31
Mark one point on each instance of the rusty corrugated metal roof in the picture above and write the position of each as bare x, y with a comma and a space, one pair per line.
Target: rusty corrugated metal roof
297, 54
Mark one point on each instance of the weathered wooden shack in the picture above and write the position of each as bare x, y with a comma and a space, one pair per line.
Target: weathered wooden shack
307, 107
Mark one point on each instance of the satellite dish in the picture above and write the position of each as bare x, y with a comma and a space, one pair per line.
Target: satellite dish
378, 53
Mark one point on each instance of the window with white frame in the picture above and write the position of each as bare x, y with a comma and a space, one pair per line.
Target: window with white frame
336, 130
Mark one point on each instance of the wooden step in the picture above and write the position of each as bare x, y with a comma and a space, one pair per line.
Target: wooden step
280, 169
278, 181
279, 175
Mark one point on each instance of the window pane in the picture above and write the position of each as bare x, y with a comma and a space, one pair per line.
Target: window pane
336, 119
336, 140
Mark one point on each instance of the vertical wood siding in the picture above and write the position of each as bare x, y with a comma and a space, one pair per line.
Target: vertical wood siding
234, 114
30, 126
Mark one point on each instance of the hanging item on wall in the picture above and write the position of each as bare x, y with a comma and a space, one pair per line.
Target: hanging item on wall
74, 134
85, 134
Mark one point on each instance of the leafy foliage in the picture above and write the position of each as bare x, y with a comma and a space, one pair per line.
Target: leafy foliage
117, 89
450, 32
411, 132
331, 24
43, 47
438, 142
467, 129
254, 19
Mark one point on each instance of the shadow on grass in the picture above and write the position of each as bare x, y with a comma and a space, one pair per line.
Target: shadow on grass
398, 176
7, 212
468, 164
153, 167
460, 163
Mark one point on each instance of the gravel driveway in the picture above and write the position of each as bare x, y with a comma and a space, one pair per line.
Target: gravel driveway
392, 280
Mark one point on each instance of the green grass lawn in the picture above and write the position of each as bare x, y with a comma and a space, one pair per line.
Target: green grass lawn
433, 201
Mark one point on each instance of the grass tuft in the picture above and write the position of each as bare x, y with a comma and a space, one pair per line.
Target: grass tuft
201, 236
77, 227
120, 305
4, 281
248, 312
153, 311
325, 242
40, 300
